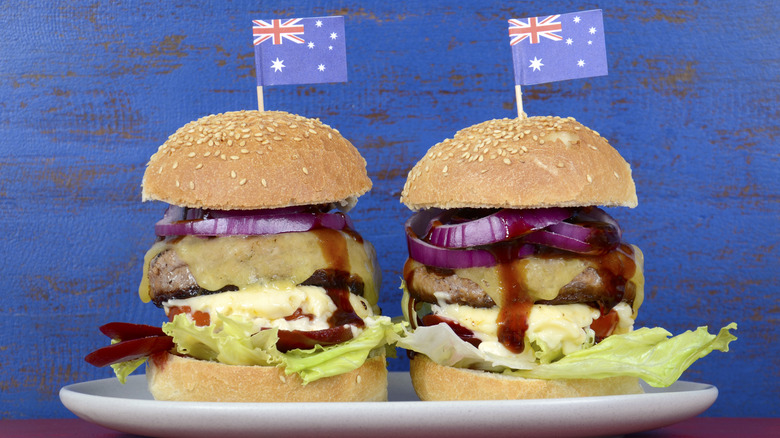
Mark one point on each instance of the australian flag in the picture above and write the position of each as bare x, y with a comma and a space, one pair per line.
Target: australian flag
558, 47
300, 50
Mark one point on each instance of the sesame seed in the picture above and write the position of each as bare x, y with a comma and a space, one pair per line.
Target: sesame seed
175, 164
281, 377
207, 154
312, 131
191, 154
234, 157
358, 378
297, 138
242, 143
590, 178
160, 170
242, 182
244, 151
223, 156
177, 183
262, 181
507, 161
541, 141
445, 169
330, 135
593, 147
200, 165
192, 185
270, 129
616, 175
305, 170
232, 173
277, 138
481, 158
559, 164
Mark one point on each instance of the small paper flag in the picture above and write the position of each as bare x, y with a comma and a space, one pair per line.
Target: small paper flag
300, 50
558, 47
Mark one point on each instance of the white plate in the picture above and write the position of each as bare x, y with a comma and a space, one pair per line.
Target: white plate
130, 408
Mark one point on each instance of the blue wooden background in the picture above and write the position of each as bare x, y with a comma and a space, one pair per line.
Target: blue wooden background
89, 89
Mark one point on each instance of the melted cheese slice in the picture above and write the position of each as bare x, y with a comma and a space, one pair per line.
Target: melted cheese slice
268, 305
564, 327
245, 261
544, 277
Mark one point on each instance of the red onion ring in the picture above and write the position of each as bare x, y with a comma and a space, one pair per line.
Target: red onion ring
499, 226
431, 255
178, 221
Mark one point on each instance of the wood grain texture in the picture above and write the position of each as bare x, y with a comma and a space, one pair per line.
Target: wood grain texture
89, 89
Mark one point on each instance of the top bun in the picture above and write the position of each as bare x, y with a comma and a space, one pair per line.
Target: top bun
533, 162
251, 159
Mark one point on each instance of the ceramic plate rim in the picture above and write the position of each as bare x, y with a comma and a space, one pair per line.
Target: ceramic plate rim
98, 401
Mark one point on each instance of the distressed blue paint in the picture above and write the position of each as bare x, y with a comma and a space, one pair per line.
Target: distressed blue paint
89, 89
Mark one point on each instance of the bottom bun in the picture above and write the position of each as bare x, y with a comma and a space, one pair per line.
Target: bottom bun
172, 377
437, 382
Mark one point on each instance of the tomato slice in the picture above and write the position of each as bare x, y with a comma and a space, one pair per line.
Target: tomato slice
292, 339
125, 331
129, 350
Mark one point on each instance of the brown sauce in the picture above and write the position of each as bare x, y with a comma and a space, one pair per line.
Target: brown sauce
337, 277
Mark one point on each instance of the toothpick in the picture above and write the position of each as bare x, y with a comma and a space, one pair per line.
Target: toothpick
260, 105
519, 98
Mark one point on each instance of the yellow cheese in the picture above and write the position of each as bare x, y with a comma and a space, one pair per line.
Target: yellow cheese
267, 306
244, 261
564, 327
543, 277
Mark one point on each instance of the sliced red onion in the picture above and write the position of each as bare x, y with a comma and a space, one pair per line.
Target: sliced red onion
241, 223
586, 237
499, 226
431, 255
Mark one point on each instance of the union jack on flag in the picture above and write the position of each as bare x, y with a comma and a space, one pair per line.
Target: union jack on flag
278, 30
558, 47
318, 53
534, 29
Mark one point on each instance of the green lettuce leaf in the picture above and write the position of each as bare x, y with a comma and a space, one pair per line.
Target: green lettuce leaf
647, 353
124, 369
236, 344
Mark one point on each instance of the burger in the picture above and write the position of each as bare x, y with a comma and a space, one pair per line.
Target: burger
269, 291
518, 284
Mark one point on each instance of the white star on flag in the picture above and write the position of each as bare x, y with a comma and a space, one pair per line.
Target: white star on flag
536, 64
277, 65
333, 36
318, 23
321, 67
581, 63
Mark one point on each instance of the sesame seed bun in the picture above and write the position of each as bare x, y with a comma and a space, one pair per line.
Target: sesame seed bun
178, 378
532, 162
250, 159
440, 383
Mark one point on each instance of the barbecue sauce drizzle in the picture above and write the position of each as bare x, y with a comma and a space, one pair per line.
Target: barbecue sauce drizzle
337, 280
615, 267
